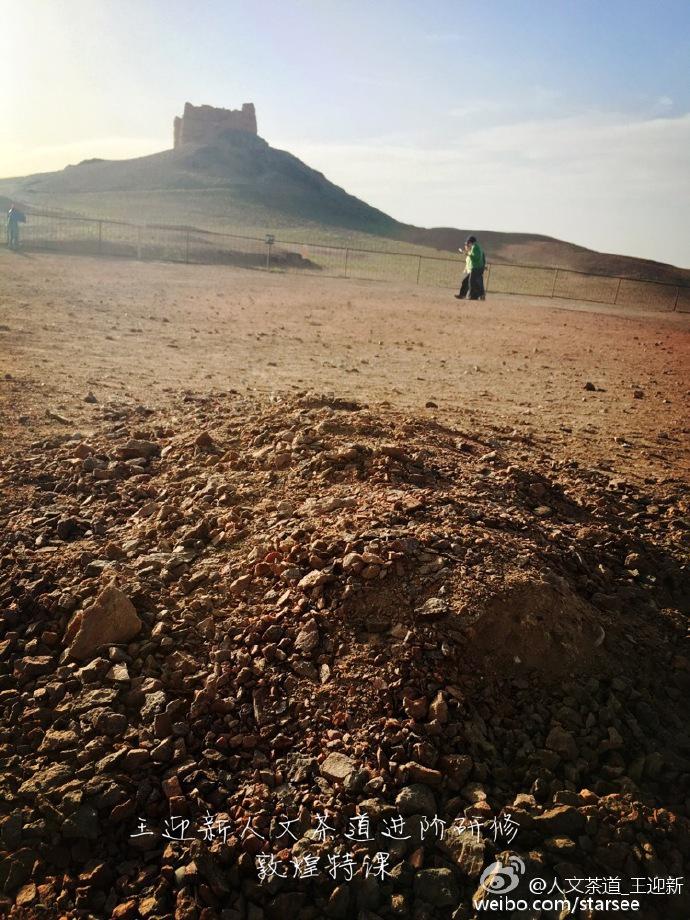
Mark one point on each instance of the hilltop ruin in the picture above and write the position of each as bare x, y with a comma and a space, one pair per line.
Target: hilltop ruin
202, 124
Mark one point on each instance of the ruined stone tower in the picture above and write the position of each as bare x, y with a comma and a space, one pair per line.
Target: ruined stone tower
201, 124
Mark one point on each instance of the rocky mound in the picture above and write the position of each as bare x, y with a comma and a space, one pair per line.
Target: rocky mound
302, 655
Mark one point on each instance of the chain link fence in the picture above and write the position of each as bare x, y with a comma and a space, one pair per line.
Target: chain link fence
67, 233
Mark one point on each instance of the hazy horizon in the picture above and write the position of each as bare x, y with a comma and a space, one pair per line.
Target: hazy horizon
526, 119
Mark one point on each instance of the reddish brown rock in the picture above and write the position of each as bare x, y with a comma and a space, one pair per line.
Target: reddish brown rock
110, 619
337, 767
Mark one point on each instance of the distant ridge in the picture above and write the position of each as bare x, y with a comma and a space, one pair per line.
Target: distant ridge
236, 161
257, 179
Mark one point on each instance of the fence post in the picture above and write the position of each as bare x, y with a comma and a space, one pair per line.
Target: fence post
618, 289
553, 286
186, 247
347, 258
100, 237
488, 275
675, 302
269, 240
419, 267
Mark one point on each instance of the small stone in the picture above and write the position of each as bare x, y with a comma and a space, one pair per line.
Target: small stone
369, 572
562, 742
313, 579
458, 767
562, 821
338, 903
125, 911
416, 709
336, 768
435, 608
109, 620
118, 673
421, 774
26, 895
33, 665
136, 758
11, 831
17, 868
56, 740
94, 671
147, 906
82, 824
563, 847
437, 887
153, 704
69, 528
438, 709
653, 764
111, 723
239, 585
134, 449
307, 638
392, 450
304, 669
205, 441
416, 799
353, 562
466, 850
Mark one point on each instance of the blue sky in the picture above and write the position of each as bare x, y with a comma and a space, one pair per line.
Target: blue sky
568, 118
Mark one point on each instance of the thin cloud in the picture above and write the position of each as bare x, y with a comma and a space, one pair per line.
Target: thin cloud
444, 37
56, 156
537, 101
597, 179
362, 80
479, 106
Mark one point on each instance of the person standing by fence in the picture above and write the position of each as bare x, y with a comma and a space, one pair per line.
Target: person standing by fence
14, 218
472, 285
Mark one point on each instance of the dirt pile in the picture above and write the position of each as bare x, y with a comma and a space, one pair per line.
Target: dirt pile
364, 655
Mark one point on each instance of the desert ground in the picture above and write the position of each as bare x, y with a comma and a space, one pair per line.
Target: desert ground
279, 547
127, 331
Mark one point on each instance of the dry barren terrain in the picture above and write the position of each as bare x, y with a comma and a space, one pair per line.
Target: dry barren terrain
337, 599
127, 331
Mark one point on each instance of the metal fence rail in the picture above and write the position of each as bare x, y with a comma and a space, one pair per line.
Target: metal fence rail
67, 233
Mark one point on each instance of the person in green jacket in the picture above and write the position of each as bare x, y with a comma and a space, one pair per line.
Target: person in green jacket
472, 285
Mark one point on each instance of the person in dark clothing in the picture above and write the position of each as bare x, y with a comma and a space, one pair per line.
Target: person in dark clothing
472, 285
14, 218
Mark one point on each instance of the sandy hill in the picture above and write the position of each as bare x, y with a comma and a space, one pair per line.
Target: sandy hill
238, 180
246, 165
